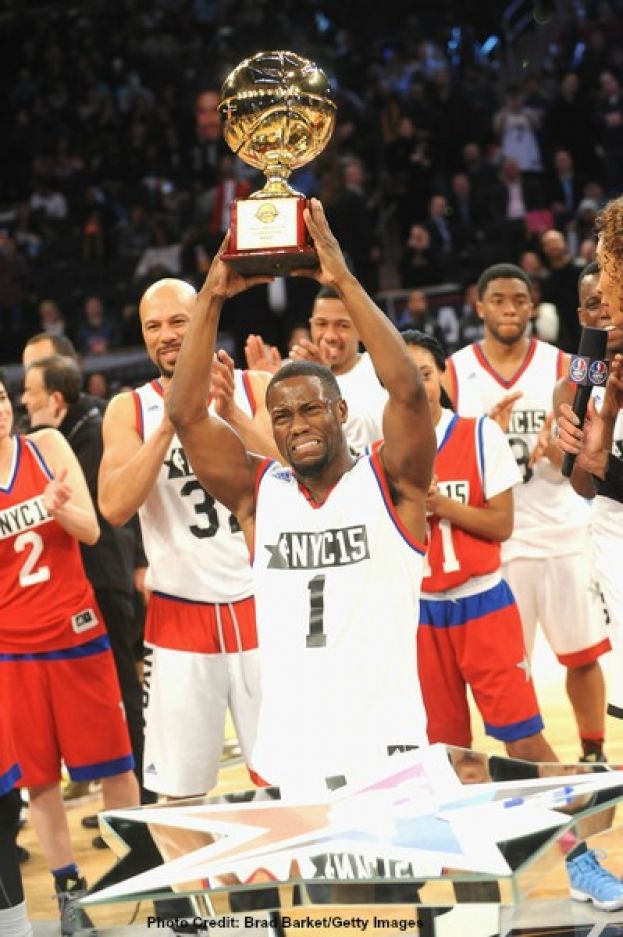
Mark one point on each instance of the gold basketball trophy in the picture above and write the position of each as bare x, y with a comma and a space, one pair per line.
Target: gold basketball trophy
278, 113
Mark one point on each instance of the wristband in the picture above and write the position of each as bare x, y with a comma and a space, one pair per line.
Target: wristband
611, 485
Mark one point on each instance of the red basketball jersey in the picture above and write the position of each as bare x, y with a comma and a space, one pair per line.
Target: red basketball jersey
46, 601
454, 555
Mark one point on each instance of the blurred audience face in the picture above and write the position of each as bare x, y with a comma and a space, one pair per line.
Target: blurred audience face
531, 263
94, 311
206, 115
609, 84
417, 304
587, 250
49, 313
570, 85
461, 185
472, 155
438, 207
554, 246
419, 238
333, 331
510, 170
354, 175
470, 296
97, 385
563, 163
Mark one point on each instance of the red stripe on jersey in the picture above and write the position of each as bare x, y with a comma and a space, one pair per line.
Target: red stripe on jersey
379, 471
200, 627
561, 365
248, 389
138, 414
453, 393
262, 468
484, 363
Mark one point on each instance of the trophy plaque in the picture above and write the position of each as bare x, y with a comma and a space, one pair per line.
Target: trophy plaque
278, 113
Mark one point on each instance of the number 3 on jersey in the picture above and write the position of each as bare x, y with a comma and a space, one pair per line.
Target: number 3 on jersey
205, 508
30, 574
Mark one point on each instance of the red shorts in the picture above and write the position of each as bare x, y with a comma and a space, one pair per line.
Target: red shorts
9, 768
200, 627
66, 704
476, 641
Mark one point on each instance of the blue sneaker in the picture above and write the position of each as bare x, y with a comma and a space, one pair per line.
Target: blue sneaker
590, 882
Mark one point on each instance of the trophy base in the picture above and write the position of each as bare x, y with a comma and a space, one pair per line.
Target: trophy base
275, 263
269, 237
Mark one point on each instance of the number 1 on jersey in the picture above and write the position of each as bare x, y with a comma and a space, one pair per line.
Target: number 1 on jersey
316, 636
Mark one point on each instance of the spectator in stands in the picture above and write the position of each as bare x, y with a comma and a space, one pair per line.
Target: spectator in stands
47, 201
162, 258
609, 121
416, 315
516, 127
206, 146
419, 265
560, 287
531, 263
472, 328
97, 385
51, 319
96, 334
13, 270
564, 188
566, 122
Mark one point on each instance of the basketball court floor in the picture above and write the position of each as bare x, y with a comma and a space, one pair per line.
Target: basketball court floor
547, 912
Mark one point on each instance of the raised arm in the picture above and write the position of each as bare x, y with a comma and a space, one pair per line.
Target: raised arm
129, 466
409, 447
216, 452
66, 497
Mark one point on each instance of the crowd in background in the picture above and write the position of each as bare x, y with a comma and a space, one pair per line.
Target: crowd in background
442, 161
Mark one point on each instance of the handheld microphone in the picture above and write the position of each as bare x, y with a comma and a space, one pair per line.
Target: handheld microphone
587, 369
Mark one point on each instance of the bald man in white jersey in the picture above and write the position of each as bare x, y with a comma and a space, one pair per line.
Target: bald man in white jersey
200, 634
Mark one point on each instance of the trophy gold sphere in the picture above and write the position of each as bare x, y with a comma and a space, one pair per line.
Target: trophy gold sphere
278, 113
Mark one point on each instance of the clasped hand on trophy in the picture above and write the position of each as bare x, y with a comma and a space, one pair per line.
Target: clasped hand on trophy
225, 281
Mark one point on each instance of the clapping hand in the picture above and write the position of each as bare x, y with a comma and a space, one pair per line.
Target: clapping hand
260, 356
56, 493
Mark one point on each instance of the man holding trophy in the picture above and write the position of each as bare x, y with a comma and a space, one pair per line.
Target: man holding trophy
338, 542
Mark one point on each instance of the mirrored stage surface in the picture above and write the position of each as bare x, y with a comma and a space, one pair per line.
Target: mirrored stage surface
448, 836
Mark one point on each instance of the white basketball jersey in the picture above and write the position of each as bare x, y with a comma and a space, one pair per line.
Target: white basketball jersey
193, 543
550, 519
606, 528
337, 588
366, 399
